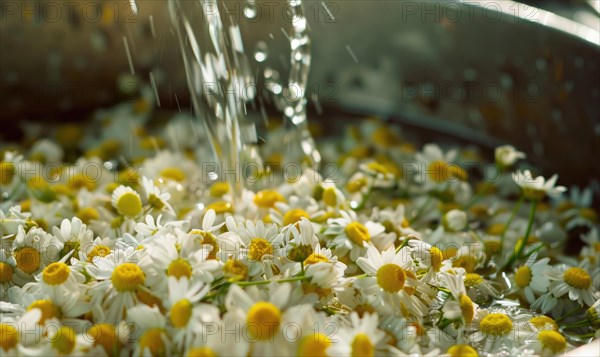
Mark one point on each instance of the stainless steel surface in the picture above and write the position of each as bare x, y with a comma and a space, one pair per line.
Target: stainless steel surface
489, 73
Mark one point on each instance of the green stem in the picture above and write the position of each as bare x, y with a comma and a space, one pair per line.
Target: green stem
576, 324
404, 243
577, 308
517, 255
509, 222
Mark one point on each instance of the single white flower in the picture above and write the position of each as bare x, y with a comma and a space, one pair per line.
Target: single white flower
506, 156
537, 188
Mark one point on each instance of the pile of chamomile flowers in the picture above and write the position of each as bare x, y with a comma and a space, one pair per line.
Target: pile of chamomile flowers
122, 243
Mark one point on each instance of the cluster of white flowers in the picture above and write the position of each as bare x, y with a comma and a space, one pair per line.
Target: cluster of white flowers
135, 249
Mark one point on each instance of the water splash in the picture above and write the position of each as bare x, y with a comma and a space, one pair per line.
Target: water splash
220, 84
299, 142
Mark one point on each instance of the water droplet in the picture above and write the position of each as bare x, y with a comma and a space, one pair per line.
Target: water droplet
261, 52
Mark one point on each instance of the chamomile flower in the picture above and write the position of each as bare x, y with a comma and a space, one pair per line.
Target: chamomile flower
153, 226
353, 234
461, 306
73, 234
263, 317
150, 335
127, 201
533, 278
58, 280
33, 251
506, 156
8, 264
259, 245
358, 337
154, 198
495, 328
118, 280
548, 343
182, 304
300, 241
107, 339
64, 341
291, 212
438, 168
16, 331
576, 282
537, 188
393, 282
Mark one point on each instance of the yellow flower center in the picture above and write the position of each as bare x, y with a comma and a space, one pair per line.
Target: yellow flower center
440, 171
181, 313
207, 238
362, 346
436, 258
88, 214
466, 262
313, 345
357, 233
268, 198
589, 214
201, 352
153, 341
577, 278
79, 181
523, 276
263, 320
6, 272
173, 173
466, 307
104, 335
472, 279
218, 189
64, 340
235, 269
330, 197
220, 207
98, 251
128, 177
259, 247
357, 185
378, 168
391, 277
129, 204
293, 216
127, 277
56, 273
462, 351
47, 309
7, 172
315, 258
179, 268
28, 259
495, 324
496, 229
552, 340
8, 337
540, 322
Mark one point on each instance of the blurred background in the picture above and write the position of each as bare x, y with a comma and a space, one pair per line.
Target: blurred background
479, 72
